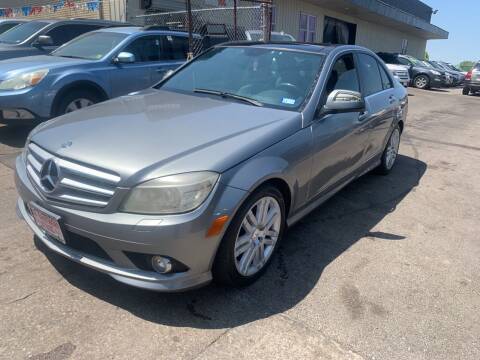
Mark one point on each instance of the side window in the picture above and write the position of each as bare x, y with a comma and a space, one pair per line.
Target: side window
369, 75
386, 81
145, 49
174, 48
343, 76
64, 33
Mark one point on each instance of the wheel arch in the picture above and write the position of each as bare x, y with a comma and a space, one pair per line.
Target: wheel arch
78, 85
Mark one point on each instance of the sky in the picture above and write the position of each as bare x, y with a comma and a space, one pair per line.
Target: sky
461, 18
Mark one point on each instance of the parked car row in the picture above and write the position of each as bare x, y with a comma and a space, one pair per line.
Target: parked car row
424, 74
94, 67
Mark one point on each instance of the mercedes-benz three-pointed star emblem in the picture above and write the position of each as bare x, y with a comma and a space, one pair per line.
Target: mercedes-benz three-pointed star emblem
49, 175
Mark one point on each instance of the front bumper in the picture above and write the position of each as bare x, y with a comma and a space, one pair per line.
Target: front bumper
472, 85
23, 107
437, 81
181, 237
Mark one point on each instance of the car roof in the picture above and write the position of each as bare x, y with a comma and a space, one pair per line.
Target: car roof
294, 46
129, 30
13, 20
80, 21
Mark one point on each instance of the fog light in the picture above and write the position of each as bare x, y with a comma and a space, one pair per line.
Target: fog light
12, 114
161, 264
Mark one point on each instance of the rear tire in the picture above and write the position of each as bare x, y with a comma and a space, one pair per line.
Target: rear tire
390, 153
76, 100
466, 91
421, 82
232, 266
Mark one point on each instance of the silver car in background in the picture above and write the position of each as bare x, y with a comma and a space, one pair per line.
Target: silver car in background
197, 178
401, 73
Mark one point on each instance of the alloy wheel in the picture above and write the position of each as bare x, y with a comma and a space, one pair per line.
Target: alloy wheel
392, 149
257, 236
78, 104
421, 82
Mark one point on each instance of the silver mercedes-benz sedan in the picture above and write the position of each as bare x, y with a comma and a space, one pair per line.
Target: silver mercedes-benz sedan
198, 177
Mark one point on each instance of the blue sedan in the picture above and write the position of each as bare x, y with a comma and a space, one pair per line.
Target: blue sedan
94, 67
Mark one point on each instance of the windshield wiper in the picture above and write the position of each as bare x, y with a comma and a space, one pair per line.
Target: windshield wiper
229, 95
67, 56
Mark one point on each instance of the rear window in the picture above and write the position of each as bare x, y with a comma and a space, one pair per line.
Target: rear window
22, 32
7, 26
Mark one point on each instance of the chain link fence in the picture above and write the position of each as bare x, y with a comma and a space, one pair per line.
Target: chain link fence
215, 22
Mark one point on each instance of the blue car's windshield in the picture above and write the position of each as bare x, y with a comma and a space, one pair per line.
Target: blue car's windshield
267, 77
22, 32
90, 46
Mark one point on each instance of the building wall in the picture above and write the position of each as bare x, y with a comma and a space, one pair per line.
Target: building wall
371, 35
108, 9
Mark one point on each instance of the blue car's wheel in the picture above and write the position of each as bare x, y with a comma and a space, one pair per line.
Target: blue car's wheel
76, 100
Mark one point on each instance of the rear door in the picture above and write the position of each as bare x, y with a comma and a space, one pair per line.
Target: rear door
380, 102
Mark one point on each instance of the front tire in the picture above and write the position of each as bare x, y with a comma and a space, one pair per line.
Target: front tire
251, 239
390, 153
422, 82
466, 91
76, 100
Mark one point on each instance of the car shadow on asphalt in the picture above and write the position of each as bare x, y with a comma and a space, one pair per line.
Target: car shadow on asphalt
308, 248
14, 136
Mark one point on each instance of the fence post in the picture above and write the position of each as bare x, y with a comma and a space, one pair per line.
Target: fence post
235, 19
190, 25
266, 20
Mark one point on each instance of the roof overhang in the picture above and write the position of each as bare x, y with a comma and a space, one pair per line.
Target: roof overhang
379, 12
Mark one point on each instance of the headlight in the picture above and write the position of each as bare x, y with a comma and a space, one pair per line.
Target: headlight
435, 72
22, 81
170, 194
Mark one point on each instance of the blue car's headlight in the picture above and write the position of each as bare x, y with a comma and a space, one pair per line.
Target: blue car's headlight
23, 80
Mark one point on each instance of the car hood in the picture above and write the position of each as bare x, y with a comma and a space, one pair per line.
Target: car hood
30, 63
156, 133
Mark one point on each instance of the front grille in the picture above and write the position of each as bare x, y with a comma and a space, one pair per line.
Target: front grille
74, 183
402, 74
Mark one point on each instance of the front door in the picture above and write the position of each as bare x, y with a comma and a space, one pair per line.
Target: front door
173, 54
339, 139
127, 78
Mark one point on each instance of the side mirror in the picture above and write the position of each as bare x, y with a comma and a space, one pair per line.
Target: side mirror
397, 78
44, 40
343, 101
124, 58
167, 74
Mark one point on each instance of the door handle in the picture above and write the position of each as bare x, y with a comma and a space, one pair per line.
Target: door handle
363, 116
391, 99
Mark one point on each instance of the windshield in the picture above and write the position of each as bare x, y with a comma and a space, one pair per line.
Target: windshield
91, 46
427, 64
22, 32
275, 78
415, 61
